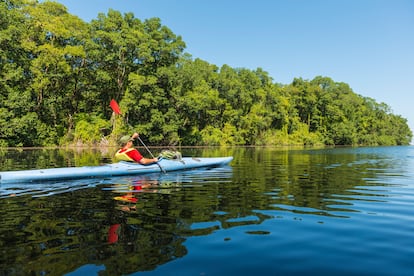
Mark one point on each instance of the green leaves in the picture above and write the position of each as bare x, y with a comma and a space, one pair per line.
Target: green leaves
58, 75
90, 129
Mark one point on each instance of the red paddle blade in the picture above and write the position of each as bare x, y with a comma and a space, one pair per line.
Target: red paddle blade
115, 107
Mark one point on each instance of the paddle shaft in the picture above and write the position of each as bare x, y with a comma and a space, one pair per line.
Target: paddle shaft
145, 146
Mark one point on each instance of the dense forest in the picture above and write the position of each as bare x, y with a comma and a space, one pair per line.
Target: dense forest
59, 74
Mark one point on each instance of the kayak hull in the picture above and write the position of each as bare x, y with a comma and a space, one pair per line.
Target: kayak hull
108, 170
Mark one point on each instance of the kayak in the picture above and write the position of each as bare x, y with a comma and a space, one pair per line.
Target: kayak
160, 182
115, 169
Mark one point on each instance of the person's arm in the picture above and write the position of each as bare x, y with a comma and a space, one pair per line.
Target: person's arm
147, 161
143, 160
137, 157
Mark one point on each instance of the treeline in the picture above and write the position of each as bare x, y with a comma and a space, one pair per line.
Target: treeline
59, 74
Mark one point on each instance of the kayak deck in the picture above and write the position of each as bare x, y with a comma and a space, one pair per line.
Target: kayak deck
107, 170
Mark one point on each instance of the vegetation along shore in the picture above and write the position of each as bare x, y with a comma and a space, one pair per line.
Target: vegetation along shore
59, 74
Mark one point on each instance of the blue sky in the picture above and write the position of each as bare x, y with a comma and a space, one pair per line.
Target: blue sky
368, 44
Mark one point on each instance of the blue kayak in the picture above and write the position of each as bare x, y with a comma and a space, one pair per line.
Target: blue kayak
108, 170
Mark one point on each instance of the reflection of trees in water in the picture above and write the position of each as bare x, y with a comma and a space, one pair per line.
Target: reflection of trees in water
139, 246
322, 182
19, 159
63, 232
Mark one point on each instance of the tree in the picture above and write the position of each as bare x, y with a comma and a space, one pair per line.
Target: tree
58, 75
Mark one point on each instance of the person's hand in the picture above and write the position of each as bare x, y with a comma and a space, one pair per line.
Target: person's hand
135, 135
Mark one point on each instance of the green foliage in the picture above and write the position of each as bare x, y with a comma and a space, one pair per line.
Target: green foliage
56, 70
90, 129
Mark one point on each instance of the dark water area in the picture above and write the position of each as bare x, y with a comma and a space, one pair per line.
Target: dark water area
272, 211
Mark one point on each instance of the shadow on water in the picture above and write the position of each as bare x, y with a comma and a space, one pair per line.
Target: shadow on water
124, 225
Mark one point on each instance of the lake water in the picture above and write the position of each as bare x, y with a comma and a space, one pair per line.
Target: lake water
338, 211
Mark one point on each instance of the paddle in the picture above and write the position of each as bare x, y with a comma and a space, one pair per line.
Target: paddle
115, 107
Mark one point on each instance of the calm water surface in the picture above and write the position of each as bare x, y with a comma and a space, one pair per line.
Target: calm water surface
343, 211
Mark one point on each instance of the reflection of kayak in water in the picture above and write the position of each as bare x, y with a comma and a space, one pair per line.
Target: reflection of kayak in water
127, 187
127, 198
108, 170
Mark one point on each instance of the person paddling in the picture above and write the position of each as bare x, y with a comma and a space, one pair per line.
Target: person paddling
129, 153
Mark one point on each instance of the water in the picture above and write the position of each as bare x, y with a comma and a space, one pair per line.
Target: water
272, 212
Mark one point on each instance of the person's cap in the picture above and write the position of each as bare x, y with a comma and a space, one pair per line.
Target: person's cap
124, 139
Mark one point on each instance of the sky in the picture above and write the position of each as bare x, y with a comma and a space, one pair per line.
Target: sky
368, 44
